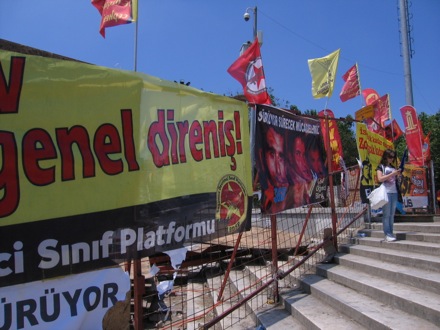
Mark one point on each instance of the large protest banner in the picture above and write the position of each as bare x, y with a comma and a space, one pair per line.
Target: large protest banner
100, 165
290, 158
370, 147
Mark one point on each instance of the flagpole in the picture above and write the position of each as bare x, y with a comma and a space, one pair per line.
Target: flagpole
363, 103
136, 35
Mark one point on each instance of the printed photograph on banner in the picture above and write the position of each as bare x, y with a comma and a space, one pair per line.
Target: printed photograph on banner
290, 160
414, 187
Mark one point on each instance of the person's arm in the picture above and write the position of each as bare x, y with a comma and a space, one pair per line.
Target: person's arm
382, 177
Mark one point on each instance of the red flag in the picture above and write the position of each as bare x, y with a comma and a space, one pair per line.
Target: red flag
381, 114
335, 138
115, 13
248, 70
352, 87
414, 133
426, 148
393, 131
382, 109
370, 95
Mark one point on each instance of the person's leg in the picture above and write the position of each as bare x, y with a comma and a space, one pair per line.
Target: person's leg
386, 218
392, 201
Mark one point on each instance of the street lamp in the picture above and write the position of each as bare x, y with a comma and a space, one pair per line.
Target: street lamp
247, 16
256, 33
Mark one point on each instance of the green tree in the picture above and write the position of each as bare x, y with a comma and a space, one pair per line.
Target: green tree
431, 124
348, 140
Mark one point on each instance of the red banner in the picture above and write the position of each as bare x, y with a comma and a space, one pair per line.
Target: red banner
335, 138
426, 148
370, 95
414, 134
248, 71
351, 86
114, 13
393, 131
381, 114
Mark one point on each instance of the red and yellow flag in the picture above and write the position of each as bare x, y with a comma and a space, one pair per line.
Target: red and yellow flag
334, 142
370, 95
115, 12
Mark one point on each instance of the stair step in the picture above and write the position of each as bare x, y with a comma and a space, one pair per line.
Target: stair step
278, 318
305, 311
405, 258
403, 245
315, 314
409, 299
361, 308
424, 227
422, 279
404, 235
271, 316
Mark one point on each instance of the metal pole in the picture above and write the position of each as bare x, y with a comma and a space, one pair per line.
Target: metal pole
255, 22
273, 227
406, 51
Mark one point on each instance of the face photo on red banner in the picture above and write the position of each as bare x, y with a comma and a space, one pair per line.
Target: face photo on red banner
289, 159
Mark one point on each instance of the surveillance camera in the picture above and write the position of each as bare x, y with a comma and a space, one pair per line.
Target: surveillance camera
246, 16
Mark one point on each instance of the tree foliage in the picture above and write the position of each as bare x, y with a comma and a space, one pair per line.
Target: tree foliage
348, 140
431, 125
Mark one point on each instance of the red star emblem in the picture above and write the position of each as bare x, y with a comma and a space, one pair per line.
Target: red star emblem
258, 76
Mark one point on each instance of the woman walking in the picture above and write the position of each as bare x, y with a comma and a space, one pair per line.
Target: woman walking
386, 174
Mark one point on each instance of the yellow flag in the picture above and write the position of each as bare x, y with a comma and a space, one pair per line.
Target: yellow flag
323, 71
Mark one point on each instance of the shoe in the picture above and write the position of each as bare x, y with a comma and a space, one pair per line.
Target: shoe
390, 238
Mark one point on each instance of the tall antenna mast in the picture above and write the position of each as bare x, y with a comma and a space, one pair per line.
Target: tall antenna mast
407, 52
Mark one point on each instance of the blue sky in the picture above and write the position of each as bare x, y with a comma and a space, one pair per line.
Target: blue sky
197, 40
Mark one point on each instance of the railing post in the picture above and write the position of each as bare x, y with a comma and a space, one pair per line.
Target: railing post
330, 183
273, 226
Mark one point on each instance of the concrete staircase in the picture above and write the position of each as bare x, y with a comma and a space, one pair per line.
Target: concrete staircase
372, 284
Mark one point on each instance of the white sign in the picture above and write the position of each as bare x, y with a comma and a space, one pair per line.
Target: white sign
72, 302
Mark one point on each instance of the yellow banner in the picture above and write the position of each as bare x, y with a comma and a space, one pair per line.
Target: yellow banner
323, 71
78, 138
370, 147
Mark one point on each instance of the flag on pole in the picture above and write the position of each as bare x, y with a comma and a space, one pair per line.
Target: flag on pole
115, 13
382, 109
323, 71
414, 134
248, 71
370, 95
426, 148
352, 86
393, 131
381, 114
